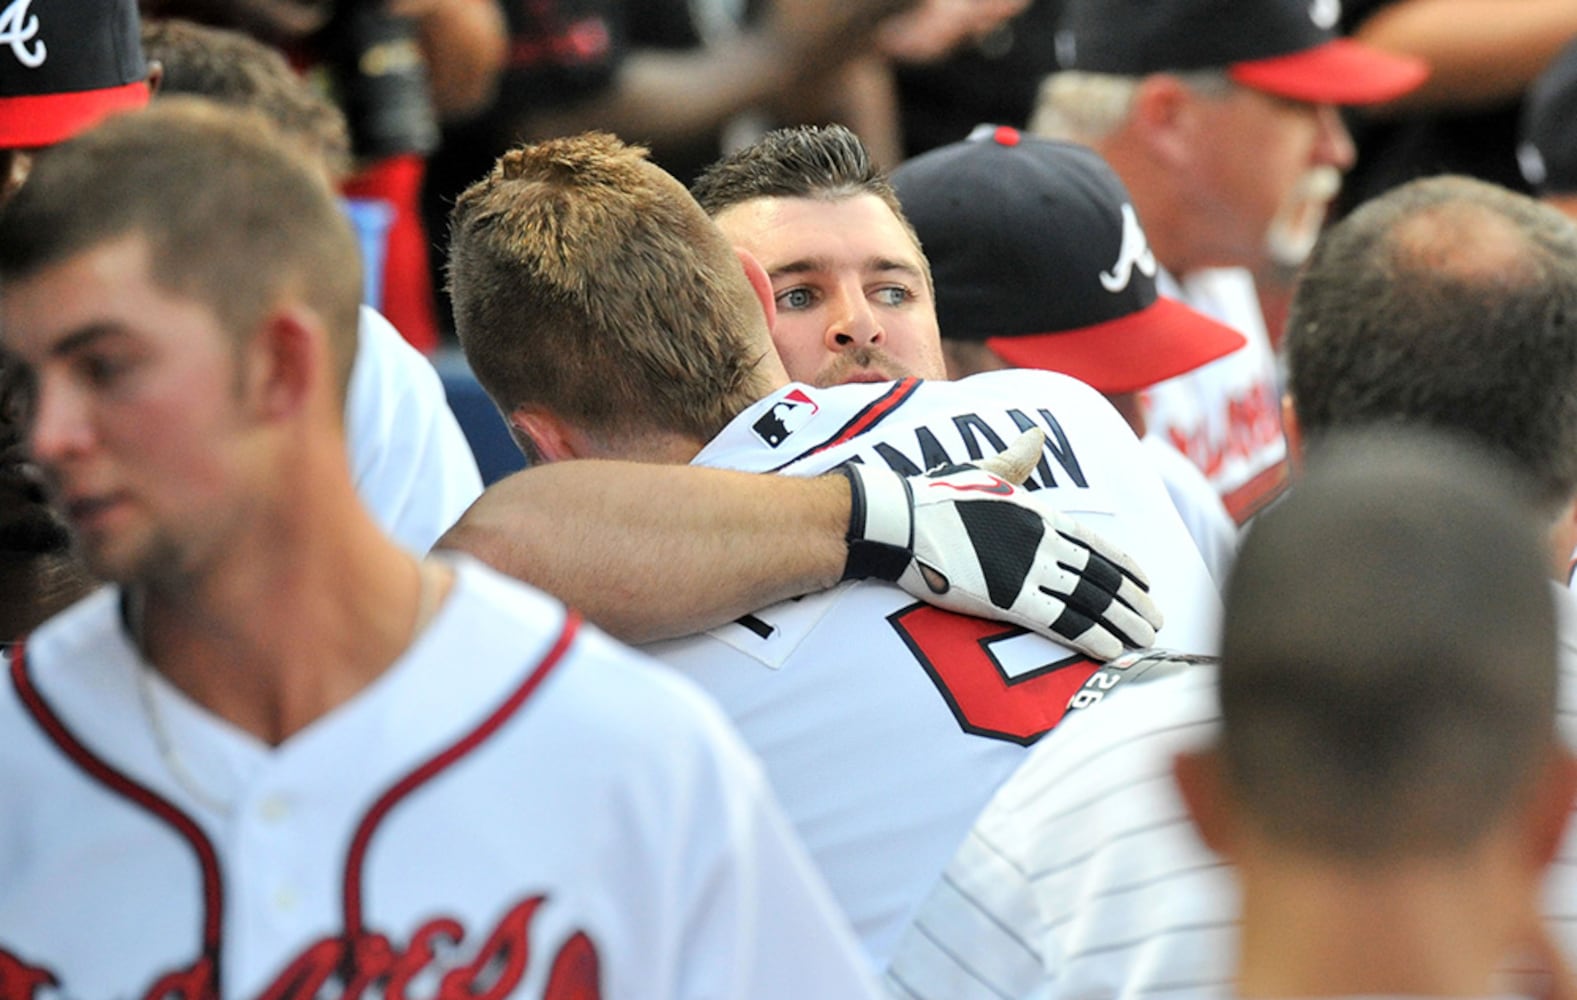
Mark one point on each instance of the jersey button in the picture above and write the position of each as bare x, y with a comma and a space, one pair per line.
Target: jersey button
285, 899
274, 808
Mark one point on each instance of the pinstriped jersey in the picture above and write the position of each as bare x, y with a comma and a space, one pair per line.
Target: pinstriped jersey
1084, 876
518, 807
884, 724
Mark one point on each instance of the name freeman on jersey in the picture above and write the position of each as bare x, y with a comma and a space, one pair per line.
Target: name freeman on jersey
977, 439
374, 966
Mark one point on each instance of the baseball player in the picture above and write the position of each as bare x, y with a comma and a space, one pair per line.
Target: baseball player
1083, 875
1390, 792
80, 61
1221, 119
1081, 298
279, 756
883, 723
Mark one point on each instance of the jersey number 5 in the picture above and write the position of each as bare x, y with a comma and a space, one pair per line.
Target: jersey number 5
961, 655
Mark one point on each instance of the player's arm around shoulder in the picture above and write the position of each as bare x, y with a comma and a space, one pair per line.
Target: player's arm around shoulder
652, 552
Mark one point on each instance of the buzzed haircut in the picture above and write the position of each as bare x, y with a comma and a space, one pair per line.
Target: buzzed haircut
823, 162
233, 214
1448, 303
1389, 653
231, 68
586, 280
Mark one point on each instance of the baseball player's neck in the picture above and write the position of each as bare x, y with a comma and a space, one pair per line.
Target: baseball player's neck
1159, 199
290, 623
1424, 928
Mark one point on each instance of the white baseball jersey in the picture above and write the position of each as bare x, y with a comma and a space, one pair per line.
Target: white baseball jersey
519, 807
1084, 876
1198, 504
884, 723
411, 463
1226, 415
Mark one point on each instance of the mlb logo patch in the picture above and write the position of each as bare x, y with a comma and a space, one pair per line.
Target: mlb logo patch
785, 417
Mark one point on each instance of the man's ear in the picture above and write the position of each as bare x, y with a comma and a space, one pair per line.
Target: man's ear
1563, 542
1162, 118
1293, 432
1550, 807
288, 357
543, 435
760, 283
1199, 782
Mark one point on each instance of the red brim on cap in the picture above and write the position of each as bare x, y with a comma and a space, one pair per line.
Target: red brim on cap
45, 119
1341, 71
1161, 341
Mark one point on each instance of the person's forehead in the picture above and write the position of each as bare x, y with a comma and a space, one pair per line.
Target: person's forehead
106, 285
784, 230
1241, 101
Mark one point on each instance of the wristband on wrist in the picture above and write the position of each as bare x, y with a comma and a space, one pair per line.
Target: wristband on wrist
881, 524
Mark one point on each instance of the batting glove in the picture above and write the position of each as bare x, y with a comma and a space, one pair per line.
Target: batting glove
968, 539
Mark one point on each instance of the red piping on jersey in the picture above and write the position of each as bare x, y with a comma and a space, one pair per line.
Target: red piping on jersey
1256, 494
357, 856
872, 414
208, 859
120, 784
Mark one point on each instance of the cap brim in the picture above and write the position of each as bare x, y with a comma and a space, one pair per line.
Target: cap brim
44, 119
1340, 71
1161, 341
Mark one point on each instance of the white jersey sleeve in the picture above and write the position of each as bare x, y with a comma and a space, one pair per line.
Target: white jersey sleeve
409, 458
1198, 504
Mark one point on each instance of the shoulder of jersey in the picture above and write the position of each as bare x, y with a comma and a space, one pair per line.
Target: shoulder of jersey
629, 692
1035, 380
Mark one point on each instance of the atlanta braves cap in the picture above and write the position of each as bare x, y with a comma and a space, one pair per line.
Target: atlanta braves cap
1036, 250
1288, 48
1547, 149
64, 65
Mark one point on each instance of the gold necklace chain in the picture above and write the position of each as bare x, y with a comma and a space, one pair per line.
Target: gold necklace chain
166, 747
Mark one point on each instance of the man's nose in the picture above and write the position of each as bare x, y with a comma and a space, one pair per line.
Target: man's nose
853, 323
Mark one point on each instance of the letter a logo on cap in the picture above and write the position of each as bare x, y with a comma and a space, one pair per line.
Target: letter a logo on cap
1135, 252
1325, 13
17, 29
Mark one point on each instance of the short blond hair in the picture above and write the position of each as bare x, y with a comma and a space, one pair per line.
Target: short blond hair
586, 280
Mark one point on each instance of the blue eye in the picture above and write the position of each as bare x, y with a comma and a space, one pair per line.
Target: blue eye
893, 295
795, 298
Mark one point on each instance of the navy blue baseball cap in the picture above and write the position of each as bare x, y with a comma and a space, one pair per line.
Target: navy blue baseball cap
1547, 148
1036, 250
66, 64
1288, 48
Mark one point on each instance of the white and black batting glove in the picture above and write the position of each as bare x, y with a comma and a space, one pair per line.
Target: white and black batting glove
967, 538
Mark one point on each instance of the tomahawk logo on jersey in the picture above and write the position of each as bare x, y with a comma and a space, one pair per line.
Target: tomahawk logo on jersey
885, 724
